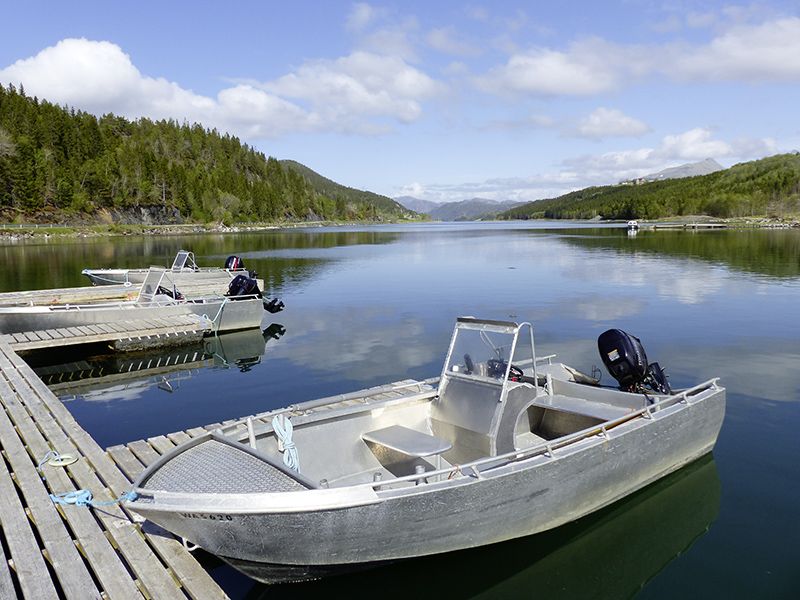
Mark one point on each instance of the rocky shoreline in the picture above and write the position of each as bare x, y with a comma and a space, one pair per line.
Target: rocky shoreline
14, 232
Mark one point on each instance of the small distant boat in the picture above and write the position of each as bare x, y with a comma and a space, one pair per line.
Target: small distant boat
633, 225
184, 268
241, 308
508, 445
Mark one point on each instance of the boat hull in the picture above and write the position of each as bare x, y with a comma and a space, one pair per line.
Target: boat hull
137, 276
228, 315
518, 499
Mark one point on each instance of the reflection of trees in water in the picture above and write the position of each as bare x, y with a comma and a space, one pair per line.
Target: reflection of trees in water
54, 264
775, 253
610, 554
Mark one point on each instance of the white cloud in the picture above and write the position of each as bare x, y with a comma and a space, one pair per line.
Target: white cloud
99, 76
359, 84
361, 93
609, 122
695, 144
751, 53
766, 52
692, 145
447, 41
361, 15
548, 72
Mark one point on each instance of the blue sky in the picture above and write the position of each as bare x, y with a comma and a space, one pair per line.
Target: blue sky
437, 100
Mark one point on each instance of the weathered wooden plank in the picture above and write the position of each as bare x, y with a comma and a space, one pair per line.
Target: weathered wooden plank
53, 333
20, 337
126, 461
196, 581
179, 437
102, 558
6, 582
144, 452
152, 576
73, 576
196, 431
22, 545
161, 444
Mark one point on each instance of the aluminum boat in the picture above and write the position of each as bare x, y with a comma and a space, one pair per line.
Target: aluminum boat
184, 269
157, 298
508, 445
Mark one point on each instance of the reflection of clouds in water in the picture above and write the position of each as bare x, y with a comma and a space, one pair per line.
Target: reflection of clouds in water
686, 281
758, 368
110, 393
137, 388
600, 308
325, 343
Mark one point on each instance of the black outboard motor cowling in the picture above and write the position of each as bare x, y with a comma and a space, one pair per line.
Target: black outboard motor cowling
624, 357
242, 285
234, 263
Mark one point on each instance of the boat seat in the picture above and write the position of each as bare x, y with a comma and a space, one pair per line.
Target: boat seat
579, 406
407, 441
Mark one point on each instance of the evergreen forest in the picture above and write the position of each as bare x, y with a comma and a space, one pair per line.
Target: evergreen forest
767, 187
62, 165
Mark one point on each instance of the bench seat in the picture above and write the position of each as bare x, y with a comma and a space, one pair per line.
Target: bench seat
579, 406
407, 441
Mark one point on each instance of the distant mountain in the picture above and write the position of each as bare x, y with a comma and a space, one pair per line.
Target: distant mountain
704, 167
417, 204
360, 199
463, 210
470, 210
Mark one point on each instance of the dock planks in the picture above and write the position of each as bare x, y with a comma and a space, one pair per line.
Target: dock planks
71, 551
178, 325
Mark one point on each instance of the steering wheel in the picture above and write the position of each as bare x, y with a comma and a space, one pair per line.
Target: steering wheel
497, 368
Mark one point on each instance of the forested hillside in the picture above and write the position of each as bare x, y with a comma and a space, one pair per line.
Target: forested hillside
344, 194
59, 164
770, 186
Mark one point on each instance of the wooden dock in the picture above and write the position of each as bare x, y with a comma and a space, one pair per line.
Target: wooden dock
55, 551
126, 335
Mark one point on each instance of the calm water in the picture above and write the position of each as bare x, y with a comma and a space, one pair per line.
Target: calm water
371, 305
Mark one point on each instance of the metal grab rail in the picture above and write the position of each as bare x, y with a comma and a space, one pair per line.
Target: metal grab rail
547, 448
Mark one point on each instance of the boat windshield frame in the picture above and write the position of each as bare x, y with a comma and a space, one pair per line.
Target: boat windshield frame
485, 326
149, 290
184, 260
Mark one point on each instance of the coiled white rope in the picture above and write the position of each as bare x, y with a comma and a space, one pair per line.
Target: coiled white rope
283, 430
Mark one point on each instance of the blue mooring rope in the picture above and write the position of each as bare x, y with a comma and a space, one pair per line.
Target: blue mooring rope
80, 497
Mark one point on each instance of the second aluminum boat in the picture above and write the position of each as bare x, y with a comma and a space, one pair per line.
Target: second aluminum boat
157, 298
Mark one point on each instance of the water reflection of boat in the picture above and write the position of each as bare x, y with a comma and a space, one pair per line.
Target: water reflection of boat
103, 376
611, 554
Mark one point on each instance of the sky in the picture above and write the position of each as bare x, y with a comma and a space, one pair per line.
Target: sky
445, 101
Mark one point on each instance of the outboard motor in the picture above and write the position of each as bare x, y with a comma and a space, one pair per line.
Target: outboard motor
242, 285
234, 263
625, 358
